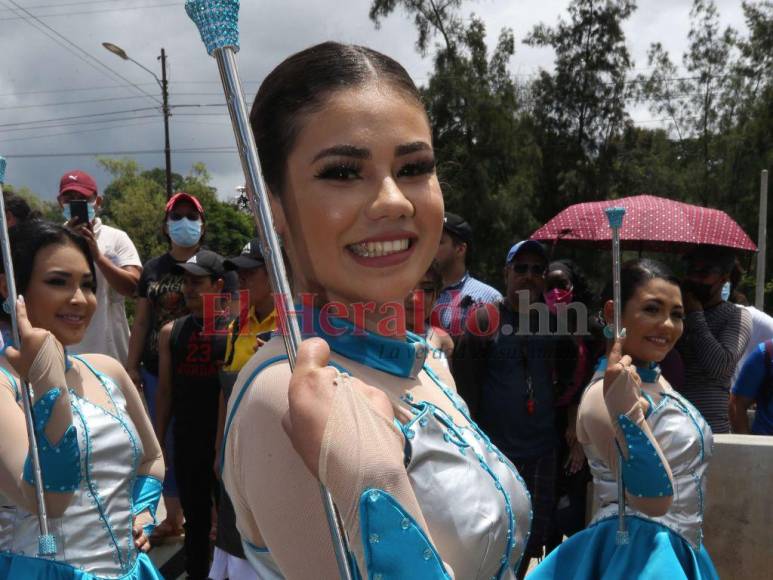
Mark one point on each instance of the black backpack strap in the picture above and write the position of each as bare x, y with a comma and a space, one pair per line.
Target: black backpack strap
177, 328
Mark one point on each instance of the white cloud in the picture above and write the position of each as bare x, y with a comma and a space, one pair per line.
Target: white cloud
270, 30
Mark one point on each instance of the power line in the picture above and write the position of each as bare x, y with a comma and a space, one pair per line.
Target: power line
80, 89
80, 123
213, 150
90, 2
78, 117
48, 135
59, 14
65, 103
78, 48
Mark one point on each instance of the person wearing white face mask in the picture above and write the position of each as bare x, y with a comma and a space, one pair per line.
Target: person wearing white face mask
118, 268
160, 300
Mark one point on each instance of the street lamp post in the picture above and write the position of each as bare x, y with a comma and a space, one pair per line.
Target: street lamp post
163, 83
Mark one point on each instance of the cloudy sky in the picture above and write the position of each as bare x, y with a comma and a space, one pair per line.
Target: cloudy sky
63, 97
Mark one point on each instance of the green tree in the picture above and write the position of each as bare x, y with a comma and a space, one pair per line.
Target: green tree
135, 199
48, 210
487, 157
694, 103
579, 107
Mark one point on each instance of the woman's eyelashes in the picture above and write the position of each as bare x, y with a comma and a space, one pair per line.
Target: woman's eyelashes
416, 168
340, 171
57, 282
351, 170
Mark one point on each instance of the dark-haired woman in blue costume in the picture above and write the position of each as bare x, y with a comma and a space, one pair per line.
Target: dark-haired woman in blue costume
100, 461
630, 413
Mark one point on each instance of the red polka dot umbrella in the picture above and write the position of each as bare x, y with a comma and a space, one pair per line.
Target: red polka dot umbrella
651, 223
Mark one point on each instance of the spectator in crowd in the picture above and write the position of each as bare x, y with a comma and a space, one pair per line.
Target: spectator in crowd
160, 300
754, 385
715, 334
460, 289
191, 351
118, 268
257, 310
762, 323
418, 311
505, 369
17, 209
565, 284
256, 307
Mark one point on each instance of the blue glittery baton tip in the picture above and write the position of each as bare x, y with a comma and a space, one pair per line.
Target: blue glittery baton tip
2, 169
217, 21
47, 545
615, 216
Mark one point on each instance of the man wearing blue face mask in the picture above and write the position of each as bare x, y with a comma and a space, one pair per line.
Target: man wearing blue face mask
118, 268
160, 300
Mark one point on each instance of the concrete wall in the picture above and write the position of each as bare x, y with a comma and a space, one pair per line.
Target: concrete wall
738, 525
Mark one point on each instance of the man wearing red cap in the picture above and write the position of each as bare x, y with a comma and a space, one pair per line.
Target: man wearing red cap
118, 268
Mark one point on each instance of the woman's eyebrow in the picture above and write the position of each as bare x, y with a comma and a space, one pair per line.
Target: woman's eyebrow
343, 151
62, 273
409, 148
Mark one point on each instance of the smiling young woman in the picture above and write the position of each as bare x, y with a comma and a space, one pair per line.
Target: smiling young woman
346, 148
630, 412
101, 463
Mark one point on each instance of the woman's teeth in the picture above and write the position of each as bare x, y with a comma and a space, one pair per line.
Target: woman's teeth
658, 340
378, 249
71, 317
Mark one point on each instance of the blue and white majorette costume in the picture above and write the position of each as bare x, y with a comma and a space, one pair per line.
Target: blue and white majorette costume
475, 505
663, 547
94, 535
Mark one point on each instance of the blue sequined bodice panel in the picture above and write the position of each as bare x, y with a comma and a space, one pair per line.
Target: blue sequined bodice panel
686, 441
95, 532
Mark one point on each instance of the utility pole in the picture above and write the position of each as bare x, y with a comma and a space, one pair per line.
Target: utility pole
167, 150
162, 82
762, 242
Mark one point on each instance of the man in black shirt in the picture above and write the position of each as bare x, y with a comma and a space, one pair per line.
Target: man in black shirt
191, 350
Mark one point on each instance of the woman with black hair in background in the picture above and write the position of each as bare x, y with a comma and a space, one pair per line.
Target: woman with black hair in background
630, 413
566, 284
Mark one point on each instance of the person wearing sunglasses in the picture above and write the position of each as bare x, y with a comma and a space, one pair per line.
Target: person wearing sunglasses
505, 367
715, 336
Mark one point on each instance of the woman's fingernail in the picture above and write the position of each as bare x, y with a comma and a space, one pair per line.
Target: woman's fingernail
20, 299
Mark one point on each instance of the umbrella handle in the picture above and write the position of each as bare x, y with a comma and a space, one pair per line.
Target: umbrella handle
615, 216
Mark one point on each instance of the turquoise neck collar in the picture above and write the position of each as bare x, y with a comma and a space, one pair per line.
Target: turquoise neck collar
648, 374
402, 358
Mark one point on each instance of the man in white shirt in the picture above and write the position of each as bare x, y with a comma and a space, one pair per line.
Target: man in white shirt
118, 269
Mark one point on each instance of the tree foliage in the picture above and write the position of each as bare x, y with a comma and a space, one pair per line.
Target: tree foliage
579, 107
134, 202
512, 155
487, 157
